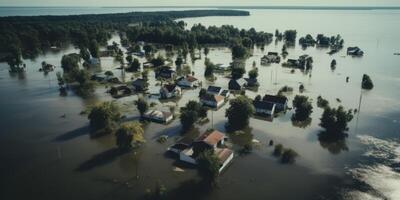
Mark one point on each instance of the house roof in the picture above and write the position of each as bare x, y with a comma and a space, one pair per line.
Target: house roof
214, 89
139, 82
251, 80
273, 53
170, 87
263, 105
215, 98
223, 154
157, 114
191, 78
236, 83
275, 99
224, 93
211, 138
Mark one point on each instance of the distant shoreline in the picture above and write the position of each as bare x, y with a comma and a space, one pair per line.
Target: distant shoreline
233, 7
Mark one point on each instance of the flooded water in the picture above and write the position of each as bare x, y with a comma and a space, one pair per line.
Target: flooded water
46, 156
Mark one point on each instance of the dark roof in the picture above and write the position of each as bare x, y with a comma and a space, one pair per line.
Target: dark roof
263, 105
273, 53
170, 87
275, 99
214, 98
251, 81
214, 89
139, 82
235, 84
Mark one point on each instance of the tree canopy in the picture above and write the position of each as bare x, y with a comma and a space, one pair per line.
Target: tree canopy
239, 113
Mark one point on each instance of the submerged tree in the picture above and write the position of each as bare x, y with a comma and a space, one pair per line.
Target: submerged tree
367, 82
209, 165
128, 133
303, 108
104, 117
191, 113
142, 106
335, 121
239, 113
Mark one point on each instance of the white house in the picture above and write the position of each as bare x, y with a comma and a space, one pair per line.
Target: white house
214, 101
170, 91
159, 116
188, 81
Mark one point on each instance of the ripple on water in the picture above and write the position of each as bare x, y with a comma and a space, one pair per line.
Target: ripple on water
381, 178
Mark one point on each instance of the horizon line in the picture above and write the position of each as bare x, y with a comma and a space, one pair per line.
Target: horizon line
397, 7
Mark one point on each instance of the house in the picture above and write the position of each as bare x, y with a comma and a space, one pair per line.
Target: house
212, 100
271, 57
279, 101
236, 84
148, 65
188, 81
180, 145
170, 91
210, 140
158, 116
140, 85
225, 157
120, 91
93, 62
355, 51
225, 93
251, 82
165, 73
214, 90
264, 108
222, 67
291, 63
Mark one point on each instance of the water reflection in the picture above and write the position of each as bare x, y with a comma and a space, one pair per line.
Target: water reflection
334, 145
302, 124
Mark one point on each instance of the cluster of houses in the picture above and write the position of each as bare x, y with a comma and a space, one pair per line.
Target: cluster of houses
188, 150
303, 62
271, 57
214, 97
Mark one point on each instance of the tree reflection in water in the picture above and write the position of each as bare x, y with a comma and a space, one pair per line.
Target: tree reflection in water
334, 143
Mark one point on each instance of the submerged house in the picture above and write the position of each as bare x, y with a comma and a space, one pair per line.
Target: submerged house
264, 108
120, 91
236, 84
271, 57
211, 140
165, 73
158, 116
188, 81
212, 100
279, 101
355, 51
140, 85
168, 91
214, 90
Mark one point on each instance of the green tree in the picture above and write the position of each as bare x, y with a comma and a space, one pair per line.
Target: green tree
278, 151
134, 66
209, 166
94, 49
104, 117
70, 62
288, 156
335, 120
367, 82
85, 55
253, 74
142, 105
303, 108
210, 67
238, 72
239, 51
128, 133
206, 51
148, 49
129, 58
242, 105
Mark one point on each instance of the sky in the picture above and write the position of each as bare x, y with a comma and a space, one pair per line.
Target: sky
118, 3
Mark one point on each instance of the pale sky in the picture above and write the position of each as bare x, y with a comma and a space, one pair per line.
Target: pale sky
199, 2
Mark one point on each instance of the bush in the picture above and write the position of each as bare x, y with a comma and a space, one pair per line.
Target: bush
128, 133
288, 156
303, 108
278, 150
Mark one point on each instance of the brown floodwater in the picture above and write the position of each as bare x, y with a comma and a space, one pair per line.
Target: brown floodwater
46, 156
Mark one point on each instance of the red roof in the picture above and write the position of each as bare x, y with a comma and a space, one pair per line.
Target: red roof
211, 138
223, 154
191, 78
